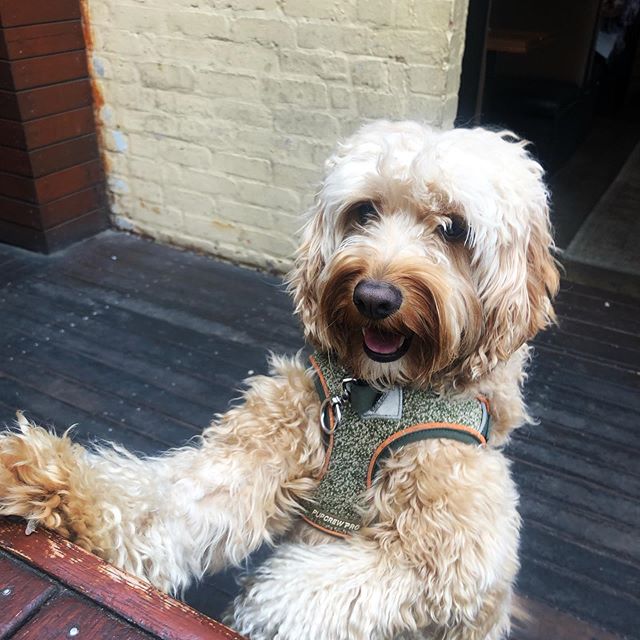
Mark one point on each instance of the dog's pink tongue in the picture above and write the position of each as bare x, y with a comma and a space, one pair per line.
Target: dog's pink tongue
382, 341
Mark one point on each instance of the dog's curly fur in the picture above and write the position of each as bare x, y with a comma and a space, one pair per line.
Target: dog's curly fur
438, 555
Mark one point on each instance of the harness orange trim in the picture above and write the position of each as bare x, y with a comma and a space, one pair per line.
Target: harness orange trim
327, 394
424, 426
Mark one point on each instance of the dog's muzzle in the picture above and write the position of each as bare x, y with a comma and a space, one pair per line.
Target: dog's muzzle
376, 300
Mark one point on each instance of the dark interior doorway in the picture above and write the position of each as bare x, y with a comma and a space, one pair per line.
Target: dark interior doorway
566, 76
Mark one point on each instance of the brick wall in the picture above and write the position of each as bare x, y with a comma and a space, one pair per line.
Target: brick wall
218, 114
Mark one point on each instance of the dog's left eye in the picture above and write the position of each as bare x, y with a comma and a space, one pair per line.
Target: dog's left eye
364, 212
454, 230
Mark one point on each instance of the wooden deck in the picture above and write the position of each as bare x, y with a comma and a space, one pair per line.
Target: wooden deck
142, 343
50, 589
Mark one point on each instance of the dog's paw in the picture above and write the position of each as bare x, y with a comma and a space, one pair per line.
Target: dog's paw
34, 472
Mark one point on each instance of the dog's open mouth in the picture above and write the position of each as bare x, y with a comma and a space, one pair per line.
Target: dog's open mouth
384, 346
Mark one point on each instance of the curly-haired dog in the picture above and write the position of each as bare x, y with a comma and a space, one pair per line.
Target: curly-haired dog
425, 268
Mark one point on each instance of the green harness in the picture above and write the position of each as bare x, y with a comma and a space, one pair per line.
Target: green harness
363, 425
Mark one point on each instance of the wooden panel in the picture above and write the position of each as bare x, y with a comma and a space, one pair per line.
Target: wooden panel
14, 13
12, 134
21, 593
130, 597
50, 240
43, 101
9, 105
62, 183
55, 185
18, 187
41, 39
48, 130
53, 213
20, 212
62, 126
59, 156
6, 79
76, 229
45, 70
73, 206
68, 616
49, 159
14, 161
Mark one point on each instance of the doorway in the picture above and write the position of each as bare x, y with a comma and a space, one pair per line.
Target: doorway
566, 76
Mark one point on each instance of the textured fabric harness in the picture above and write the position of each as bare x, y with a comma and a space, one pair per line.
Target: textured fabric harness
362, 425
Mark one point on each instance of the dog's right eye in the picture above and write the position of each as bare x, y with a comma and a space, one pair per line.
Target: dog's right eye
364, 212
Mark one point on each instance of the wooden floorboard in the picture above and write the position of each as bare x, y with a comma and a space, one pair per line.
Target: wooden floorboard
141, 344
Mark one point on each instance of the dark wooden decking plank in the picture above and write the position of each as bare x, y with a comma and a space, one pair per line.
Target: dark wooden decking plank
552, 376
145, 263
256, 327
593, 297
22, 593
54, 413
568, 464
606, 451
576, 493
604, 568
101, 403
67, 612
201, 392
543, 622
205, 318
582, 321
204, 369
590, 349
587, 601
554, 411
588, 528
584, 366
116, 381
158, 329
600, 333
573, 408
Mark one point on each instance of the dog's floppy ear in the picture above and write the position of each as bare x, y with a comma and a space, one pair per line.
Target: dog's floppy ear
303, 278
518, 282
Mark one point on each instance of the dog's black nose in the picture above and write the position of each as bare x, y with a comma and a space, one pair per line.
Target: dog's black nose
376, 300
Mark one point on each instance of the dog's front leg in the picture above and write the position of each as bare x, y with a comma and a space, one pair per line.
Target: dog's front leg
437, 562
335, 591
194, 509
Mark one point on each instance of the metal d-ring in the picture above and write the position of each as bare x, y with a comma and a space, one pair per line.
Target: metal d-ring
334, 404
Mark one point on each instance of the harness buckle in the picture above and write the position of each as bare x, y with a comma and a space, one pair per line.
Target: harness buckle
346, 387
334, 404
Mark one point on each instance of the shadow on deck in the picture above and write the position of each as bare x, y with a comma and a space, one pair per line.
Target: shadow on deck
142, 343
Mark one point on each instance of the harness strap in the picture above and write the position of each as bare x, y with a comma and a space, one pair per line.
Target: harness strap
362, 426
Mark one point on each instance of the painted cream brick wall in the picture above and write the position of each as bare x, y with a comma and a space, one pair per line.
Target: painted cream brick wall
218, 114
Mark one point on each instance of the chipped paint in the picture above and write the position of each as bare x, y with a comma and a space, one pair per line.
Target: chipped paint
107, 115
54, 550
118, 185
119, 141
98, 65
124, 223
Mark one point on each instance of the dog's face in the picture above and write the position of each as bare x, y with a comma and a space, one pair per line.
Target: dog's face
428, 256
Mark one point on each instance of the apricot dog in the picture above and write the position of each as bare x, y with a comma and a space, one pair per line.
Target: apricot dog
426, 266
